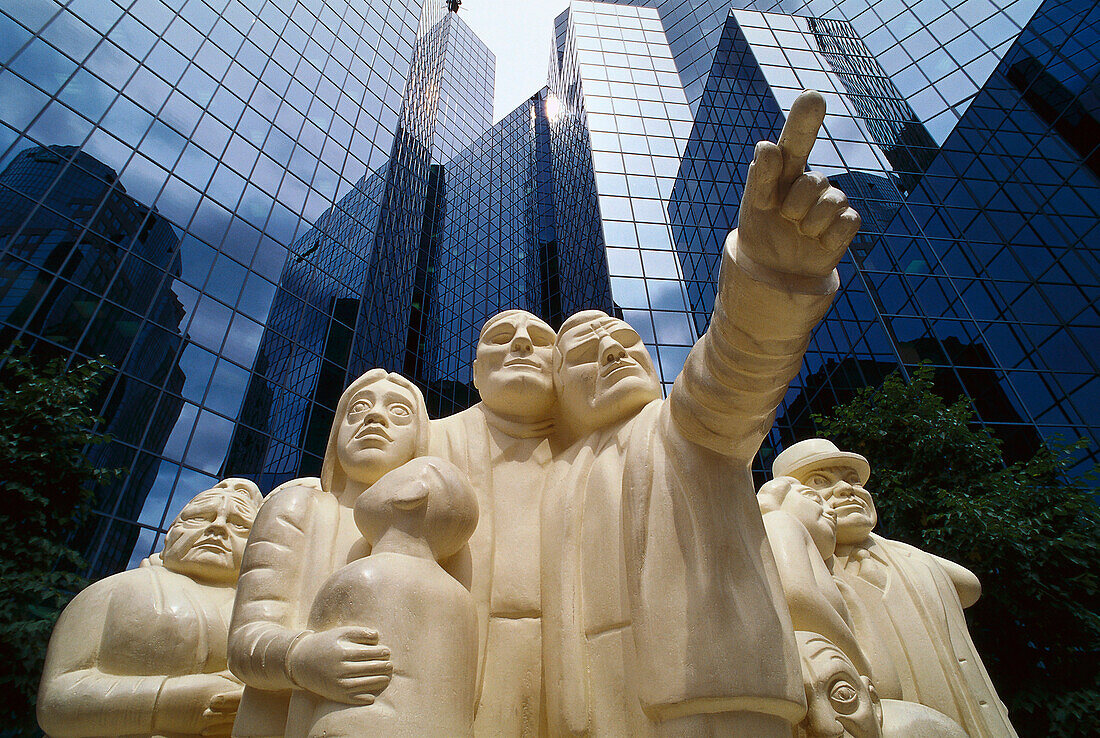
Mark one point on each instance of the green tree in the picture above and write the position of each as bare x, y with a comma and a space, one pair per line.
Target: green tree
1032, 537
47, 485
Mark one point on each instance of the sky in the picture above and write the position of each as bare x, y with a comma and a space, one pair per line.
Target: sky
519, 33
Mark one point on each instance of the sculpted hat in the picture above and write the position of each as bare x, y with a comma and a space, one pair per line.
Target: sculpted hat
816, 453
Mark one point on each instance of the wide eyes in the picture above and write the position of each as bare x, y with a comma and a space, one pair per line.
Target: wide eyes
843, 696
396, 409
818, 480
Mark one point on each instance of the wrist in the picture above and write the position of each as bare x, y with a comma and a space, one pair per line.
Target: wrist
288, 660
807, 284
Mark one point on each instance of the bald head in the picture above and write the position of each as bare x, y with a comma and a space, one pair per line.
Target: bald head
513, 370
603, 372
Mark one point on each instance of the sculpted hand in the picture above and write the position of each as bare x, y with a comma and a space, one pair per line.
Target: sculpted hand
342, 664
198, 703
791, 221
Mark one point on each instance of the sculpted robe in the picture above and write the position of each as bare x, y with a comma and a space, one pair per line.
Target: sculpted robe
912, 606
125, 638
301, 536
661, 600
507, 464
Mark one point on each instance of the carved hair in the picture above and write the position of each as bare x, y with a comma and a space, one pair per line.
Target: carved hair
771, 494
331, 471
450, 511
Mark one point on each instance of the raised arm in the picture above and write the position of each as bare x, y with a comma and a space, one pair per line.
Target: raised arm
776, 282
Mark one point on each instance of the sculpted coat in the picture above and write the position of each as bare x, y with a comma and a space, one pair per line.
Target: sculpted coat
662, 608
919, 615
505, 444
907, 604
306, 531
653, 545
143, 652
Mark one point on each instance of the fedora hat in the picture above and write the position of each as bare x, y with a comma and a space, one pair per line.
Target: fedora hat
816, 453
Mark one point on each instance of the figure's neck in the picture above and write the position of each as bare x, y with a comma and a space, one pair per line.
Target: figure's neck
518, 426
351, 491
398, 541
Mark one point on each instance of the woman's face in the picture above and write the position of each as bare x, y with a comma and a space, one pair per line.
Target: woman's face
379, 431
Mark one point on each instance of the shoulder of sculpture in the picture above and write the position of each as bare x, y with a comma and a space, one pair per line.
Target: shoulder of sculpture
296, 489
899, 547
124, 586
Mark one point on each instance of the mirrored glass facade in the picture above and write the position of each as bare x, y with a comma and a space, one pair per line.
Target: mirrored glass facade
243, 206
161, 165
978, 252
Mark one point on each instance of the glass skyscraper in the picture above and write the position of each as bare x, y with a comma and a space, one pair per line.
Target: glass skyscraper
980, 201
243, 208
170, 181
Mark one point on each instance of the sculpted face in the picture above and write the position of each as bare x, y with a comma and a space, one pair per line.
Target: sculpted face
840, 701
206, 542
605, 375
817, 516
855, 511
513, 369
379, 431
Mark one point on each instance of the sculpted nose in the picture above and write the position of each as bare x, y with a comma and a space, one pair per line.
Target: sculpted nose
611, 350
375, 415
218, 526
521, 343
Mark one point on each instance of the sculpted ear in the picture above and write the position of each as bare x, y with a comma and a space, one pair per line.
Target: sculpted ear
475, 375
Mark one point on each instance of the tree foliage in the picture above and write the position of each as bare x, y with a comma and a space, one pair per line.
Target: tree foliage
45, 426
1032, 537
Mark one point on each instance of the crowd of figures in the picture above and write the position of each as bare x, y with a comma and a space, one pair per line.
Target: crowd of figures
575, 555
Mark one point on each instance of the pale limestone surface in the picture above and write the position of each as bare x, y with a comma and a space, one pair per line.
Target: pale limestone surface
801, 528
142, 653
910, 602
622, 578
662, 608
420, 513
305, 531
842, 702
505, 445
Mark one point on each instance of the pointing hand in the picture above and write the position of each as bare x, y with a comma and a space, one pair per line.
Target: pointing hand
794, 221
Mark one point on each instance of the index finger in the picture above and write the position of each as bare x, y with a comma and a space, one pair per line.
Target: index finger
799, 135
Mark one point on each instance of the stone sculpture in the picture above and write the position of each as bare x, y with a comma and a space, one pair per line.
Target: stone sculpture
413, 517
913, 600
505, 445
659, 592
843, 702
305, 532
801, 528
142, 652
